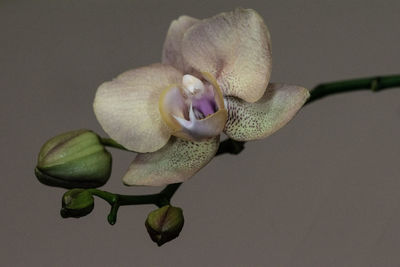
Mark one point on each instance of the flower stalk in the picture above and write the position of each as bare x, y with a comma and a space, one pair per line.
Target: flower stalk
116, 200
374, 84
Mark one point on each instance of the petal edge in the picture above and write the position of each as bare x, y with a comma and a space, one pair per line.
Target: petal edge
172, 48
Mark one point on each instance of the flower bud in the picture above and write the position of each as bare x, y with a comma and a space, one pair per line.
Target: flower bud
164, 224
77, 203
74, 159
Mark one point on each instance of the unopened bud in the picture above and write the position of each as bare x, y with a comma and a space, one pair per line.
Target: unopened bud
74, 159
76, 203
164, 224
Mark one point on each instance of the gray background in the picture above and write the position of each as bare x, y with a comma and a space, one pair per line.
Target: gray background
323, 191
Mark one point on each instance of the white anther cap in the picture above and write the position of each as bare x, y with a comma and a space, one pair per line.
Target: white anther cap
192, 84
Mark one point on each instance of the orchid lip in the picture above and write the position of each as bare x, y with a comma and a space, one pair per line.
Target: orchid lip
193, 117
193, 110
199, 97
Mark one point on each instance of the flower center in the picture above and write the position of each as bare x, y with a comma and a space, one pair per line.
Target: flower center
200, 97
195, 110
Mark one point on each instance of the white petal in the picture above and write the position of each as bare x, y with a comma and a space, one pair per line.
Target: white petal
172, 51
127, 107
235, 48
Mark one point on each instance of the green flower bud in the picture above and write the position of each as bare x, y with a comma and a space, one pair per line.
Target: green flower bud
164, 224
74, 159
77, 203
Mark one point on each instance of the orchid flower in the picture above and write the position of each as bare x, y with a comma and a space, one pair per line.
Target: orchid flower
213, 78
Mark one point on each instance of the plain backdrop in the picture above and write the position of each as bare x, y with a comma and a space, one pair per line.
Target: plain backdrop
323, 191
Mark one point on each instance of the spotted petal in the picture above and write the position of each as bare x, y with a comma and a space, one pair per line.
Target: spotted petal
172, 51
250, 121
235, 48
175, 162
127, 107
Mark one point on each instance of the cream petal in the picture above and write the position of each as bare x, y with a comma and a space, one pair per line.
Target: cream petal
172, 53
235, 48
250, 121
127, 107
174, 163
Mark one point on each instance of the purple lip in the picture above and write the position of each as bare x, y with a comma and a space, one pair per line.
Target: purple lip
205, 105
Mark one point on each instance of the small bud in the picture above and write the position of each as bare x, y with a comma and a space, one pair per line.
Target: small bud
164, 224
76, 203
74, 159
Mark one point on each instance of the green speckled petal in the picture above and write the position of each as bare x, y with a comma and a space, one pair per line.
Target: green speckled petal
176, 162
251, 121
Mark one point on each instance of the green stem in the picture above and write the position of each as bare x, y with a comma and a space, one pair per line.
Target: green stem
374, 84
125, 200
117, 200
168, 192
230, 146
